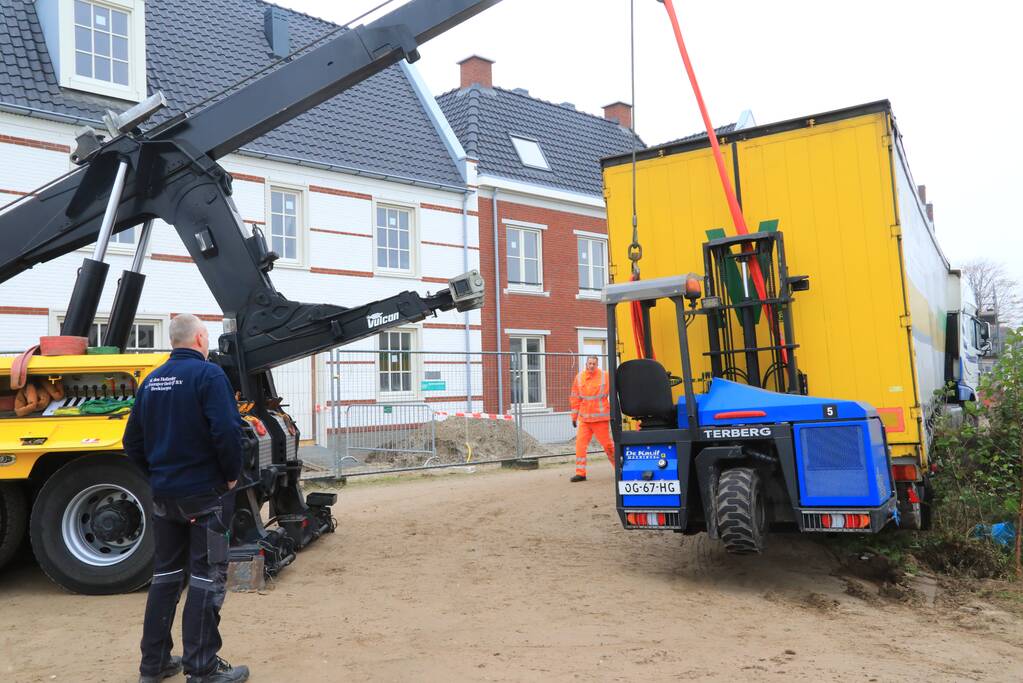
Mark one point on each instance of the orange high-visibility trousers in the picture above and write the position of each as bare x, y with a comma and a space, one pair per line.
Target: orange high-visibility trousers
601, 430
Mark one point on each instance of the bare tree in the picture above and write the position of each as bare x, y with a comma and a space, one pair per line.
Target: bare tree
994, 289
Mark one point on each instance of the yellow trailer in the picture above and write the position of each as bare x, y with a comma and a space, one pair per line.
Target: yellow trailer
884, 320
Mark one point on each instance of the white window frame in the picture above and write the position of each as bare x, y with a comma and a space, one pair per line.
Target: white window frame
161, 325
545, 166
301, 259
590, 238
123, 248
584, 333
136, 89
538, 230
413, 239
542, 404
414, 367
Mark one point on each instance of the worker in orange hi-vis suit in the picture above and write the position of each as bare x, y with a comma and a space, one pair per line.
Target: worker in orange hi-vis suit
591, 414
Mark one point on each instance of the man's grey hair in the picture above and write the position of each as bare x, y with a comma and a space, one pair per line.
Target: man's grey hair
593, 357
183, 329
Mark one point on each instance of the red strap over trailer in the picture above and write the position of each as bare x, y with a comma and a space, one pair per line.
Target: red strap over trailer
733, 202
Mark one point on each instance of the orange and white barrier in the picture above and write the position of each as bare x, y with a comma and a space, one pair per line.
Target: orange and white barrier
442, 415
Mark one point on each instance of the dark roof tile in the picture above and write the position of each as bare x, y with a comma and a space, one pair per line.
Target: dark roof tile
196, 49
573, 142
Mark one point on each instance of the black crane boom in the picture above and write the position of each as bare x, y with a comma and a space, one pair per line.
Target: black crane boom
171, 173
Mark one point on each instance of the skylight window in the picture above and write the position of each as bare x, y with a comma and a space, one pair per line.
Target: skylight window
530, 153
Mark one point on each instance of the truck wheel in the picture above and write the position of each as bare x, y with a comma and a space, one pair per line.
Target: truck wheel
742, 518
13, 520
88, 526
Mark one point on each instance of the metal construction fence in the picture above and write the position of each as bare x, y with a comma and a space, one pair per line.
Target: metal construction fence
366, 412
395, 409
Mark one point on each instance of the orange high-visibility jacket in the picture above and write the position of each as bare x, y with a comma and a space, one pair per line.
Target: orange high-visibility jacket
589, 397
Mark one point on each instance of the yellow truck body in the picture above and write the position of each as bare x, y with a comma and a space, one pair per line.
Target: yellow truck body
872, 325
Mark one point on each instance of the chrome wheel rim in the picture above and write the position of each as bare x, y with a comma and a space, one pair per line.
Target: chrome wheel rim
103, 525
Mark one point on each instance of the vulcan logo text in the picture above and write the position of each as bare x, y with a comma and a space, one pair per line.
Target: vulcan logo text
378, 319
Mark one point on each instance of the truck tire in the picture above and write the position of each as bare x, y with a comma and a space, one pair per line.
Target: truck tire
742, 517
89, 527
13, 520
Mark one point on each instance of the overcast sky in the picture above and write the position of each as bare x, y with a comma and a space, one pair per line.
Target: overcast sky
950, 69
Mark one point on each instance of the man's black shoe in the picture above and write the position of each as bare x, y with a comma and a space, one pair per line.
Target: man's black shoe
173, 668
578, 477
223, 673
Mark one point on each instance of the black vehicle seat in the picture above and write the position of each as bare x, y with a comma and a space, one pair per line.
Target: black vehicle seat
645, 394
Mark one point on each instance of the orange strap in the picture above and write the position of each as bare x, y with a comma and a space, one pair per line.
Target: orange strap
638, 328
733, 202
19, 367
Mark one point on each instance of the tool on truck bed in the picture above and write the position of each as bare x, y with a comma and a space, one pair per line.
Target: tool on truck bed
88, 505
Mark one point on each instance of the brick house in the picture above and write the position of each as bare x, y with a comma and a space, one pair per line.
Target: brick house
543, 229
364, 196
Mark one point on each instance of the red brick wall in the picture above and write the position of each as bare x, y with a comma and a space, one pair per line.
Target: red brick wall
620, 112
476, 70
561, 312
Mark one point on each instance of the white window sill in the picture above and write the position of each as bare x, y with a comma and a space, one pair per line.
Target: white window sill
588, 295
399, 398
119, 249
104, 88
527, 292
290, 265
396, 274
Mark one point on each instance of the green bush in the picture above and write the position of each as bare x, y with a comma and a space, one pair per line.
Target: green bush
978, 471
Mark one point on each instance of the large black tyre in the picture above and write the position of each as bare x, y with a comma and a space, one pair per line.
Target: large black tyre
89, 526
741, 516
13, 520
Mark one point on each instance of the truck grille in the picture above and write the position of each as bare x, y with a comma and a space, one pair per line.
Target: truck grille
265, 452
834, 462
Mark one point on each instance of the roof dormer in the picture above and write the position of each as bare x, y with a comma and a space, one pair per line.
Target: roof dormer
97, 46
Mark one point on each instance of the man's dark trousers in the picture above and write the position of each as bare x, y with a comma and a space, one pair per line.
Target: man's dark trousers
191, 549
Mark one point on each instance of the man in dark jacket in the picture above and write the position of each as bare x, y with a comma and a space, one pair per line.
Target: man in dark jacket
184, 433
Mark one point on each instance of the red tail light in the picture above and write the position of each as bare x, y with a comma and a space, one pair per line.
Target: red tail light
905, 472
737, 414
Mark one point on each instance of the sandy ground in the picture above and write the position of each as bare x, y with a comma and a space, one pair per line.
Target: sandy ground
523, 576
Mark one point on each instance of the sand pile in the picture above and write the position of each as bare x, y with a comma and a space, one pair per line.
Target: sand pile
489, 440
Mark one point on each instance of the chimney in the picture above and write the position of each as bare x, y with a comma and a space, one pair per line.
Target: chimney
930, 212
275, 27
921, 191
476, 69
620, 113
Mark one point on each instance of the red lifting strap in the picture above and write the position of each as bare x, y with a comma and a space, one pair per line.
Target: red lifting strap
733, 203
639, 329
